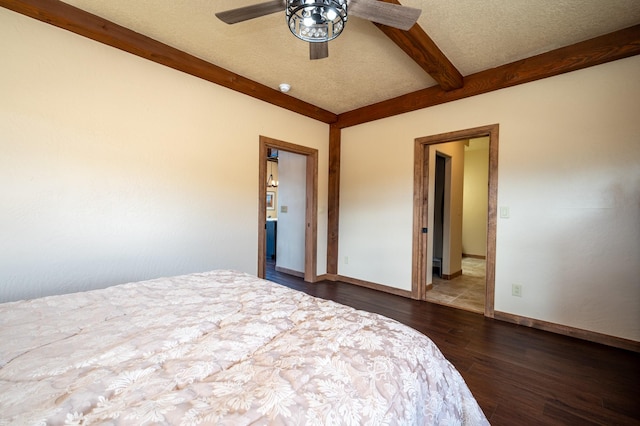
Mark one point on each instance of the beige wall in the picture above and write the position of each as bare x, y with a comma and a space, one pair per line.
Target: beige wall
476, 195
569, 170
114, 168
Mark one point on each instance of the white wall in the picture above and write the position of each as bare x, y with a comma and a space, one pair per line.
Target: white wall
452, 220
290, 252
569, 170
114, 168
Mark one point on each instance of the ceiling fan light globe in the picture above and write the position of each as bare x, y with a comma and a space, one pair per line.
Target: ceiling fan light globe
316, 20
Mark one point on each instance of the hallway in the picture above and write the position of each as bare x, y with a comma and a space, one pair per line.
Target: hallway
464, 292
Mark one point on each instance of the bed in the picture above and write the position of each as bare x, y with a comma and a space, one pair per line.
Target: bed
223, 348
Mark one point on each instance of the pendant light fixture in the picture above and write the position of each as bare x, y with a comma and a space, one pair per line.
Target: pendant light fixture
271, 183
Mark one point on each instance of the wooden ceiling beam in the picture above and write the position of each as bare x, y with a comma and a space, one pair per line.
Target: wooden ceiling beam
609, 47
419, 46
599, 50
70, 18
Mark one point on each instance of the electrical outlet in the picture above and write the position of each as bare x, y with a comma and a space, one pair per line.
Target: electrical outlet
516, 290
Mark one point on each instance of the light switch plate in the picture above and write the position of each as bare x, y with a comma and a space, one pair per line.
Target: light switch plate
516, 290
284, 209
504, 212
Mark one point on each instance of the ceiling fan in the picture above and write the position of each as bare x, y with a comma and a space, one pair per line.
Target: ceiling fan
318, 21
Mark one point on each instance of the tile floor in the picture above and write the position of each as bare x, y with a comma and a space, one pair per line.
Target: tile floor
464, 292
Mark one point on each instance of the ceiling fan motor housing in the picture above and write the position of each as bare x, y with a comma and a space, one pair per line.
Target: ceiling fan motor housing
316, 21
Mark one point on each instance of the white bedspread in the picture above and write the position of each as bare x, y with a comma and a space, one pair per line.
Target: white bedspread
221, 348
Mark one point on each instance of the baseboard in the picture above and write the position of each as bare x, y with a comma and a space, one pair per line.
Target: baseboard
617, 342
474, 256
452, 276
374, 286
290, 272
327, 277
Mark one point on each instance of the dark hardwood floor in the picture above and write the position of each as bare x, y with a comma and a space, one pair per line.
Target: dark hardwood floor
519, 375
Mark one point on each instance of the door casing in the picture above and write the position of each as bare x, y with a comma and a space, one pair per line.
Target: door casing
420, 209
311, 205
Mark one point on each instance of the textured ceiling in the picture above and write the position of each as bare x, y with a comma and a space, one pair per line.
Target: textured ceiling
364, 66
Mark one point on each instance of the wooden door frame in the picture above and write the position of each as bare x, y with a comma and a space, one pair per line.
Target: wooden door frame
420, 209
311, 205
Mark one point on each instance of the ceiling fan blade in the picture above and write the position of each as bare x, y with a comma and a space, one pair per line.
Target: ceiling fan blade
241, 14
389, 14
318, 50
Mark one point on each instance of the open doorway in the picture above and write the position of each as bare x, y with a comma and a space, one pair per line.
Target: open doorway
310, 202
460, 281
442, 187
451, 262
